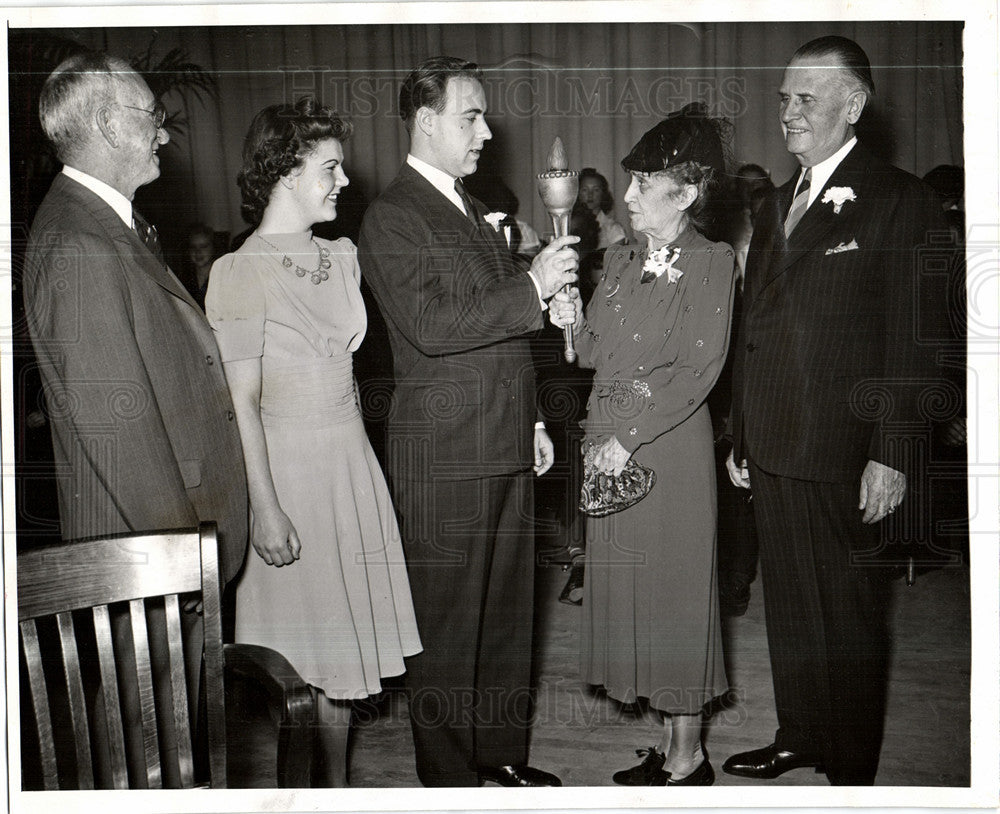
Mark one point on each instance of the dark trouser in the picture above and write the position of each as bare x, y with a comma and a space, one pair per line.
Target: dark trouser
826, 622
470, 554
737, 541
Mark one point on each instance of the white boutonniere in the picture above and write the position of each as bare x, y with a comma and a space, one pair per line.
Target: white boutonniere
661, 261
838, 196
494, 219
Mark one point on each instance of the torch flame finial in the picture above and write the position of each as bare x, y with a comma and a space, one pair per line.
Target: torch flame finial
558, 187
557, 156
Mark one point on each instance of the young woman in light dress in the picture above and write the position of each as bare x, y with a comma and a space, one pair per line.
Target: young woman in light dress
327, 587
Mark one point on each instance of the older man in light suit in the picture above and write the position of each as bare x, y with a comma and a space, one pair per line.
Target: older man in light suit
142, 424
827, 381
459, 307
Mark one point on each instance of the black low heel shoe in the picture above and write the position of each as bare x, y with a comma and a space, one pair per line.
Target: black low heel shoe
704, 775
648, 773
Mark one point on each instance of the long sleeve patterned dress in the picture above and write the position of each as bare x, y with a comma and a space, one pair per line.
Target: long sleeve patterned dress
651, 618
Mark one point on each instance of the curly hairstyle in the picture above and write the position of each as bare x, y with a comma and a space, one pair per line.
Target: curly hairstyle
607, 202
279, 139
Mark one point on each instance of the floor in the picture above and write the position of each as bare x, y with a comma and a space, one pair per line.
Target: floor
584, 737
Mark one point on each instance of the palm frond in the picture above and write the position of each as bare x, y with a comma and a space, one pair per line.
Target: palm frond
174, 71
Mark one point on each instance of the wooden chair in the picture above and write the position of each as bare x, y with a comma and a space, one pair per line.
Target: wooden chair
78, 584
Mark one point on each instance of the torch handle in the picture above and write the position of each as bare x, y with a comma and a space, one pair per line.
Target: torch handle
560, 228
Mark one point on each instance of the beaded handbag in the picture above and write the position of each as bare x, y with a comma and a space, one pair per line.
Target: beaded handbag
603, 494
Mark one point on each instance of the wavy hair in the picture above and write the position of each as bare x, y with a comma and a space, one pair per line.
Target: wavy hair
279, 139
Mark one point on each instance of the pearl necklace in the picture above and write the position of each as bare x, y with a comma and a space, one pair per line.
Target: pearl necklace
319, 274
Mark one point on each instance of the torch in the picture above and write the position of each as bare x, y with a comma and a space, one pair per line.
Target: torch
558, 187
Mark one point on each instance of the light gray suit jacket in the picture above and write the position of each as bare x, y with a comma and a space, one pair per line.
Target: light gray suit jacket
142, 423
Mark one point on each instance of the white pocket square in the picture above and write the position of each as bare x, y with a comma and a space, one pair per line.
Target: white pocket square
844, 247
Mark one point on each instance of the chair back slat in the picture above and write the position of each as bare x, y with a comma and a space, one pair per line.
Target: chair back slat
214, 657
147, 705
146, 681
40, 702
178, 691
77, 703
109, 687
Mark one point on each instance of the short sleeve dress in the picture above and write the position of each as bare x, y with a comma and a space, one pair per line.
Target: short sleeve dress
651, 624
342, 613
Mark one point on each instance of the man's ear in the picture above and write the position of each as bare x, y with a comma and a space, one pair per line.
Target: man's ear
855, 104
106, 124
425, 120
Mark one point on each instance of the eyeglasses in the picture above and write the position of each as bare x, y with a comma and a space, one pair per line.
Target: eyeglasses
158, 113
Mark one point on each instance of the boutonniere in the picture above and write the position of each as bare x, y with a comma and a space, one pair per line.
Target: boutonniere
660, 262
494, 219
838, 196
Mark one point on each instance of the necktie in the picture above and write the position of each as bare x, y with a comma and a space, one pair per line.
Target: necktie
147, 234
470, 208
800, 204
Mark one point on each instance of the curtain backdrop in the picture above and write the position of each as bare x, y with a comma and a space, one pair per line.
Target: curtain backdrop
597, 85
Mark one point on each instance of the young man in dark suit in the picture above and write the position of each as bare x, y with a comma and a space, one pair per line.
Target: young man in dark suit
826, 389
143, 428
458, 307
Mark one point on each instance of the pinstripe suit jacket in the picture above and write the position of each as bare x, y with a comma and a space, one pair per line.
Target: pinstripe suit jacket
458, 307
142, 423
830, 369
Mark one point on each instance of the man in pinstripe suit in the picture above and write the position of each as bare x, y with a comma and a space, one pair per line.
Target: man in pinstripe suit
829, 360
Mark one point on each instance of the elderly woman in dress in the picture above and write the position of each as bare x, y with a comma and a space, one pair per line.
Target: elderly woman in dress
656, 332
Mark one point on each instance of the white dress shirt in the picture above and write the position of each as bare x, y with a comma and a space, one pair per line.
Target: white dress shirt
821, 172
112, 197
439, 179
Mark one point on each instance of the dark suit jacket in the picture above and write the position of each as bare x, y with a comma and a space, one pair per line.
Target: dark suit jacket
832, 363
457, 305
142, 423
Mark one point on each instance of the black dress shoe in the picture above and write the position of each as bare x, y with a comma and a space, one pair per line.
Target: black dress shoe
769, 762
514, 776
648, 773
704, 775
572, 594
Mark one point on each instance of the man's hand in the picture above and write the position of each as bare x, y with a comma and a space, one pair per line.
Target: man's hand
882, 490
566, 308
545, 451
555, 265
611, 457
739, 475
